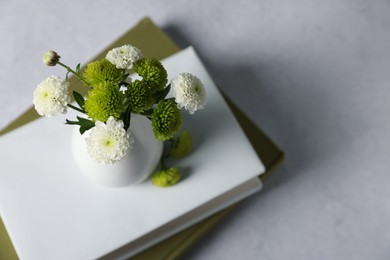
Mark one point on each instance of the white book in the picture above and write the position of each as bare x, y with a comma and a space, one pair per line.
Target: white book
52, 211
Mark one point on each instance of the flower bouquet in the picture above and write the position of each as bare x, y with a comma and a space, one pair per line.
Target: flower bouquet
113, 99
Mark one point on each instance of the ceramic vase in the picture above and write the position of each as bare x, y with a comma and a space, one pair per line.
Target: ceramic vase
135, 167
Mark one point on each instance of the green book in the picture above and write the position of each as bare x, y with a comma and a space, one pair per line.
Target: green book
155, 43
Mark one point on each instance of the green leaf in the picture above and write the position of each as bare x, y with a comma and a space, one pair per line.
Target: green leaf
78, 69
68, 122
85, 124
127, 117
148, 113
162, 94
79, 99
124, 77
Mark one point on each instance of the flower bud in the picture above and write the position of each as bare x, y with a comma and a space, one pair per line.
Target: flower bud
166, 178
182, 145
51, 58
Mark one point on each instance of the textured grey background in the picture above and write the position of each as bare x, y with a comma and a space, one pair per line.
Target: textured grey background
313, 74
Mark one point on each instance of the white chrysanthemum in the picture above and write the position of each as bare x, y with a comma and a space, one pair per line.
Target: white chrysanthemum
108, 143
189, 92
51, 97
124, 56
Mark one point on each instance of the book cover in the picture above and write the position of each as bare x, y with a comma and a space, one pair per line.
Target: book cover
145, 35
42, 190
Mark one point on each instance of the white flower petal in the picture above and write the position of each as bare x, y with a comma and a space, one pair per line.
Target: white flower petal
51, 97
189, 92
124, 56
108, 143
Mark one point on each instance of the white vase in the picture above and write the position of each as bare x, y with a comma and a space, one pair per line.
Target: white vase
135, 167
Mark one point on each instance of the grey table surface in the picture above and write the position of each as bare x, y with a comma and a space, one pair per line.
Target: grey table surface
314, 75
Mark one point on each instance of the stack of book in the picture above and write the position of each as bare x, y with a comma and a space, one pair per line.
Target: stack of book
52, 212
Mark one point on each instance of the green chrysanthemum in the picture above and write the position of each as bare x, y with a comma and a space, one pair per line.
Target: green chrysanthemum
166, 120
166, 178
140, 96
182, 145
103, 101
152, 71
102, 70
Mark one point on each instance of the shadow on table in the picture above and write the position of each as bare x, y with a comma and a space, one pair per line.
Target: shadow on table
290, 118
290, 102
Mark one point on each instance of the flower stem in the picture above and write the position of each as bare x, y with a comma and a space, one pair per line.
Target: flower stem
147, 113
74, 72
76, 108
162, 162
166, 155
